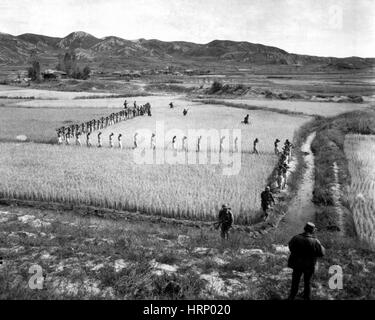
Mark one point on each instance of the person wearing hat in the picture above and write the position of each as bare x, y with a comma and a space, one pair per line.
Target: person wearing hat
305, 249
267, 201
225, 221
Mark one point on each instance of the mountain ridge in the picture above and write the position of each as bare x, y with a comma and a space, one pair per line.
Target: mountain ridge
116, 50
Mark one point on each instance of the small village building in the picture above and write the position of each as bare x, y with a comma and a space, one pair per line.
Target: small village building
50, 74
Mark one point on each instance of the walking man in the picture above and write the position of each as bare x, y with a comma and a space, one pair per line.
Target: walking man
111, 140
119, 139
184, 146
305, 249
267, 201
246, 119
199, 143
67, 137
255, 150
59, 137
225, 221
174, 143
88, 141
153, 145
99, 140
276, 149
78, 140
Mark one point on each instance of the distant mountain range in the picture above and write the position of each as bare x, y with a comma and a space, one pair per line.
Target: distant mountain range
109, 52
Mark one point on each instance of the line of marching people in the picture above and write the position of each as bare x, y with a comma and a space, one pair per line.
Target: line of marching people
284, 159
285, 155
74, 132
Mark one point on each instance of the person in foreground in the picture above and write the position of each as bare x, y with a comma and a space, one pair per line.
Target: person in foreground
305, 249
225, 221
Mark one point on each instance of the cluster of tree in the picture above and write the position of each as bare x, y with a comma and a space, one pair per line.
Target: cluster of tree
33, 72
68, 63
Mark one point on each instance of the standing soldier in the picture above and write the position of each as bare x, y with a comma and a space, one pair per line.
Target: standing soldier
171, 105
125, 104
88, 141
82, 127
305, 249
225, 221
276, 149
111, 140
99, 140
255, 150
185, 112
267, 201
119, 139
78, 139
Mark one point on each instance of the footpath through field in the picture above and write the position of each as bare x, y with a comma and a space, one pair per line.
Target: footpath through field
302, 209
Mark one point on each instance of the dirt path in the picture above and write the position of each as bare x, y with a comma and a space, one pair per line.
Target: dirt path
302, 209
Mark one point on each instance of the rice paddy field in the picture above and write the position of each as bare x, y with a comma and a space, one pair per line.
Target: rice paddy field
14, 92
360, 152
326, 109
39, 125
111, 178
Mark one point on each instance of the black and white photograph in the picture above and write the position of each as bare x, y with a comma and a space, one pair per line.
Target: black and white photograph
171, 151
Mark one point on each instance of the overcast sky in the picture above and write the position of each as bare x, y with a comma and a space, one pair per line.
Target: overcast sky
317, 27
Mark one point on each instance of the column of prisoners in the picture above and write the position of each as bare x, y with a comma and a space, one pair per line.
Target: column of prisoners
67, 133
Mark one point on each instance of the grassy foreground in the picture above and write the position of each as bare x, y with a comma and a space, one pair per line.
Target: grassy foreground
93, 258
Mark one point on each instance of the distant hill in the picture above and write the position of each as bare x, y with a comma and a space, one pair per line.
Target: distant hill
114, 51
78, 39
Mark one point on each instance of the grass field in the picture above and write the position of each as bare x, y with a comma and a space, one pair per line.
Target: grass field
360, 152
